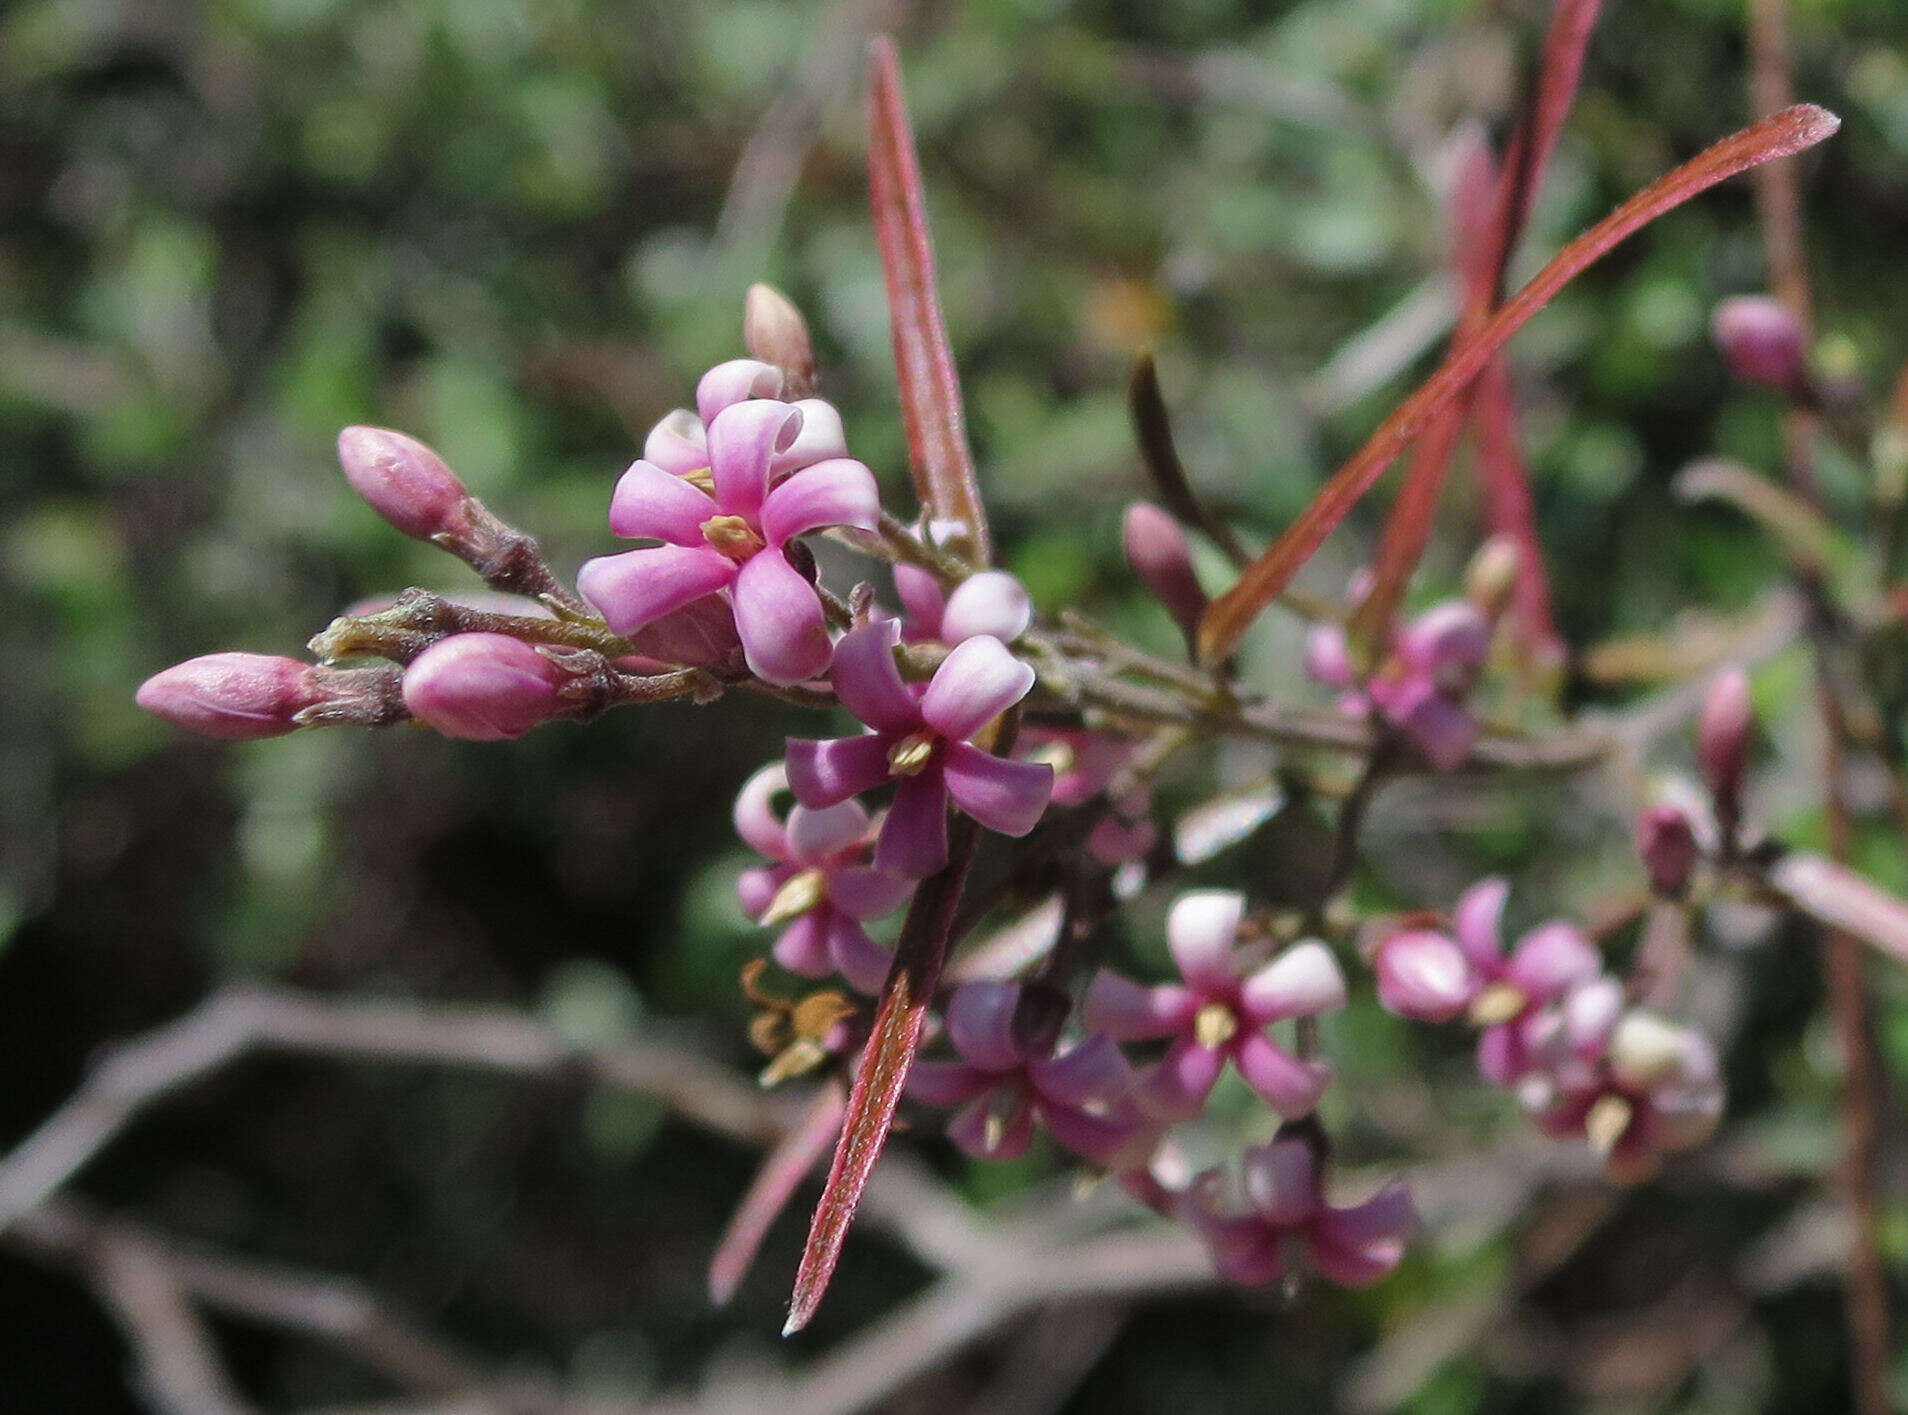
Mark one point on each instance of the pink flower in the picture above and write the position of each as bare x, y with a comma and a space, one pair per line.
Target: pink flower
734, 535
1284, 1212
236, 696
483, 687
1422, 684
1214, 1015
991, 602
1666, 839
1085, 764
1080, 1095
1762, 342
923, 745
819, 884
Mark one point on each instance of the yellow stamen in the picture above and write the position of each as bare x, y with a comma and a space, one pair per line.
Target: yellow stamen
1497, 1003
732, 536
1607, 1121
911, 754
1215, 1024
702, 479
799, 1057
799, 893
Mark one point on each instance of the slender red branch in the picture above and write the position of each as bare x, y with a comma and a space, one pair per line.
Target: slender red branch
1233, 612
938, 452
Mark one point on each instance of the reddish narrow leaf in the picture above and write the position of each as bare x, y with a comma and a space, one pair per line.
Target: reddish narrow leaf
924, 364
1791, 131
782, 1171
1510, 510
1834, 895
883, 1069
1154, 428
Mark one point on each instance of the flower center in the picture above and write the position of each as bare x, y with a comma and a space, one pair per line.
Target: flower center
732, 535
799, 893
702, 479
911, 754
1215, 1024
1497, 1003
1606, 1122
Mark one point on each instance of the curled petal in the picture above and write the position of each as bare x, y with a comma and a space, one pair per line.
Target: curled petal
1478, 922
649, 501
1355, 1247
1129, 1011
1303, 981
742, 439
1590, 1015
756, 889
815, 836
1290, 1086
1424, 975
976, 683
1176, 1086
820, 439
980, 1023
839, 492
640, 586
921, 597
803, 946
784, 632
1007, 797
914, 837
858, 958
1282, 1182
823, 773
731, 382
1096, 1137
1245, 1251
868, 682
1200, 931
1501, 1055
992, 603
862, 892
1094, 1072
678, 443
1550, 960
948, 1082
754, 815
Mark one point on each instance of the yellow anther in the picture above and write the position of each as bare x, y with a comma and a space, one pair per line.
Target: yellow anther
1606, 1122
799, 1057
1497, 1003
732, 536
799, 893
1215, 1024
702, 479
911, 754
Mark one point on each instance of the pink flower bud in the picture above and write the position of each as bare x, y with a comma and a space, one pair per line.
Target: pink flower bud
236, 696
1156, 549
1761, 340
775, 332
403, 481
991, 602
482, 687
1667, 842
1722, 740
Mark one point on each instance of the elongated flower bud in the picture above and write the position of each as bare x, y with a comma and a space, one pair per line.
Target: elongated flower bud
775, 332
1722, 743
1156, 549
1762, 342
1667, 842
403, 481
235, 696
483, 687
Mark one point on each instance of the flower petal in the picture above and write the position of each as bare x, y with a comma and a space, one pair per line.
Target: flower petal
858, 958
980, 1023
815, 836
1200, 931
948, 1082
1424, 976
1176, 1086
649, 501
1303, 981
992, 603
1094, 1072
633, 589
1551, 959
1096, 1137
1282, 1182
1129, 1012
803, 947
868, 682
742, 439
920, 595
1442, 730
913, 839
754, 814
862, 892
756, 889
1290, 1086
820, 439
1007, 797
824, 773
678, 443
983, 1130
1245, 1251
1478, 922
1355, 1247
975, 684
839, 492
784, 632
731, 382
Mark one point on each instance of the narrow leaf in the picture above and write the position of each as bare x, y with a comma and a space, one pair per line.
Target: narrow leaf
1791, 131
1153, 427
783, 1169
1511, 510
1835, 895
883, 1069
938, 452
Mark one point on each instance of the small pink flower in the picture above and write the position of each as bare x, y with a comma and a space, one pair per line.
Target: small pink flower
1214, 1015
733, 536
1423, 681
1085, 766
1762, 342
820, 884
1666, 840
1080, 1095
483, 687
923, 745
237, 696
1284, 1212
991, 602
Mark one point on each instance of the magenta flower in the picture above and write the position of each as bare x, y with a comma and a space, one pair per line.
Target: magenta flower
733, 535
483, 687
1080, 1095
991, 602
1085, 765
1214, 1015
924, 746
819, 885
1284, 1213
1422, 684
